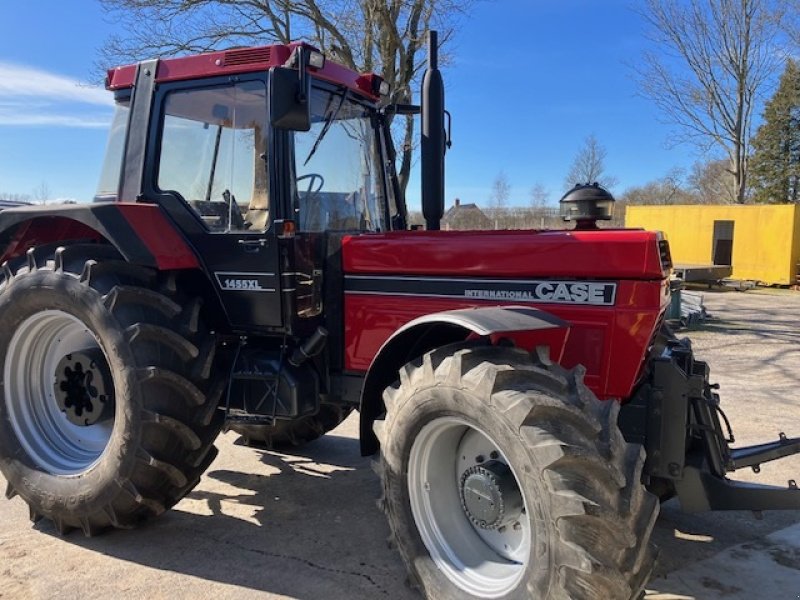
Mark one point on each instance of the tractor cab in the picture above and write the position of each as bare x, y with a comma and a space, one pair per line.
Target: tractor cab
257, 161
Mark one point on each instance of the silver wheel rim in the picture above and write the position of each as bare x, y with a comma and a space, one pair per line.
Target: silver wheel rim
43, 430
484, 563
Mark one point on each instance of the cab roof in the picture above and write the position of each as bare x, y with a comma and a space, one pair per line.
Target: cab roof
242, 60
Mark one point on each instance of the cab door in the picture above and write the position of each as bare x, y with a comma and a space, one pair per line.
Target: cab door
210, 154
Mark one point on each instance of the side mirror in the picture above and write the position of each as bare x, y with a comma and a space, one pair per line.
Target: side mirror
289, 99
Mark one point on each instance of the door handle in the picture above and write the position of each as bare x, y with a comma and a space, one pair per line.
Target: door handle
253, 245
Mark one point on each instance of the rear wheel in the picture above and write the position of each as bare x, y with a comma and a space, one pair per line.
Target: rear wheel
504, 477
108, 407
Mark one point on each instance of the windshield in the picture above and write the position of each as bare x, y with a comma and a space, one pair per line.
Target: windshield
339, 183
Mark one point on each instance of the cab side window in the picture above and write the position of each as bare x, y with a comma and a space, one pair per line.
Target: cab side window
213, 154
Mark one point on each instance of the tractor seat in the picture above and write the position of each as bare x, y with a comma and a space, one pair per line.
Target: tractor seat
257, 217
257, 213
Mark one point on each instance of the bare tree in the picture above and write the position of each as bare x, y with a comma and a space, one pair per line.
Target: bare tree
707, 73
706, 183
539, 196
501, 190
384, 36
589, 165
41, 193
791, 22
15, 197
669, 189
712, 182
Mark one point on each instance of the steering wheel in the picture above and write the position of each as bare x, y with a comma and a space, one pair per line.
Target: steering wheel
312, 178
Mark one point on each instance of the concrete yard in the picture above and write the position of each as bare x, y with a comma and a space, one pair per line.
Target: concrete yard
752, 343
268, 525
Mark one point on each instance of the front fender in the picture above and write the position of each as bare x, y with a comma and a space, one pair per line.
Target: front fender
526, 327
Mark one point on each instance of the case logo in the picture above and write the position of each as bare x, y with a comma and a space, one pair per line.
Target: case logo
559, 292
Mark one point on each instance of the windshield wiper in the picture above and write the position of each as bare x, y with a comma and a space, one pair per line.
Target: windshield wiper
328, 122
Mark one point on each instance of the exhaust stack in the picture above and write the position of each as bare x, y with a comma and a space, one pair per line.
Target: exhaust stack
433, 138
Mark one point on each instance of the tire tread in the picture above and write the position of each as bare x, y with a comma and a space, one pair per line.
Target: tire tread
179, 416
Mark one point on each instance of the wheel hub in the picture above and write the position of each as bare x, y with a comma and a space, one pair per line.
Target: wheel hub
82, 387
490, 496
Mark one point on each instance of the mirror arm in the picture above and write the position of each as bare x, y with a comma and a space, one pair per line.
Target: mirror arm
401, 109
299, 60
302, 59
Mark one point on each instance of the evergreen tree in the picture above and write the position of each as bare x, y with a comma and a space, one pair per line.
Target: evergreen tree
775, 165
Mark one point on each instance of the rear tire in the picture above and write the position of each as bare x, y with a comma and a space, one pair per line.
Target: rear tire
160, 425
464, 423
287, 434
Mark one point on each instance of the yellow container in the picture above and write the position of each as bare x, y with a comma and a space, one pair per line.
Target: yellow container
762, 242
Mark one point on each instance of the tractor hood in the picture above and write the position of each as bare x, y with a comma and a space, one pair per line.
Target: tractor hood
611, 254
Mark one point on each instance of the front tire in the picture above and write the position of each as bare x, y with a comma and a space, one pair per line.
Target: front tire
504, 477
127, 441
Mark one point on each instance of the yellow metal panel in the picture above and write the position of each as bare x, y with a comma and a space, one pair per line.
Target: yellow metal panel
795, 272
766, 238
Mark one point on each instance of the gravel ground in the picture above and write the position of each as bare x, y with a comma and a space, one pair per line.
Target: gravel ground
267, 525
752, 343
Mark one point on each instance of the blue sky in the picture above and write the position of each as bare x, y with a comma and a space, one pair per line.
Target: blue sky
529, 81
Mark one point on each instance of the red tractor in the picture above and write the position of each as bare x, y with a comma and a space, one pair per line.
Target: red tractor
248, 261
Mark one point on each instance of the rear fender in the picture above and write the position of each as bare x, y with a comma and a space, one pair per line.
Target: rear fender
525, 327
141, 233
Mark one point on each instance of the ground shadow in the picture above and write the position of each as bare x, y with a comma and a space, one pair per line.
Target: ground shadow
310, 528
685, 538
307, 527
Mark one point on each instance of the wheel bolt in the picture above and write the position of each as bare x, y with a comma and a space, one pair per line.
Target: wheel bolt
501, 529
479, 459
427, 486
517, 526
494, 455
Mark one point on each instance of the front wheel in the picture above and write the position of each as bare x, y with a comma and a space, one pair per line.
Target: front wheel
504, 477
